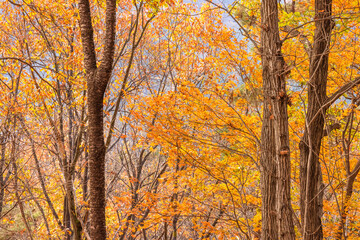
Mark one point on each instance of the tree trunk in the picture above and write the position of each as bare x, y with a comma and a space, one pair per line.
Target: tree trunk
310, 170
2, 172
351, 175
96, 164
97, 80
277, 222
66, 219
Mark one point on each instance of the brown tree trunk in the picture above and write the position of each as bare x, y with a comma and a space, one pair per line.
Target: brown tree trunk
310, 170
344, 211
351, 175
97, 80
2, 173
277, 222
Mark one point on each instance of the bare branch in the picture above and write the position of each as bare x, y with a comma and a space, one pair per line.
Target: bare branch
336, 95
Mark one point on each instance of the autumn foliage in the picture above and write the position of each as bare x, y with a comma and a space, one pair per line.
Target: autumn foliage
183, 119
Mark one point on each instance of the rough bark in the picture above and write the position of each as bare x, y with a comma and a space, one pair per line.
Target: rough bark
277, 222
97, 80
310, 170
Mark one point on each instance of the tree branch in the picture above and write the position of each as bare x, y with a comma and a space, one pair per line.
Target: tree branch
327, 130
109, 41
87, 36
336, 95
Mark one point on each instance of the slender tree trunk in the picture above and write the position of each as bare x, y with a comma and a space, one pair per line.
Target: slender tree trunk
344, 211
277, 222
311, 185
350, 174
13, 159
97, 80
2, 177
75, 222
66, 219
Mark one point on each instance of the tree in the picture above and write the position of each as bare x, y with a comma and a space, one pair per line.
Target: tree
277, 218
310, 174
185, 149
312, 187
97, 81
